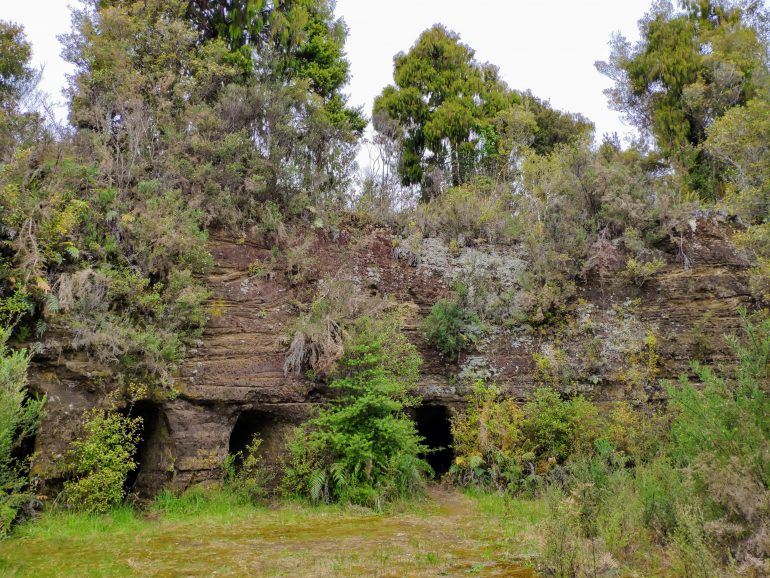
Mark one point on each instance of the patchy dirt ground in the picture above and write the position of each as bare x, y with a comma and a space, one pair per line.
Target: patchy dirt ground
448, 534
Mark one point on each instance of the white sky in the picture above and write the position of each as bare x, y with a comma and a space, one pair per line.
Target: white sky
548, 46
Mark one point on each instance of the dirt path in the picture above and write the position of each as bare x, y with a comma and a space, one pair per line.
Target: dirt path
449, 534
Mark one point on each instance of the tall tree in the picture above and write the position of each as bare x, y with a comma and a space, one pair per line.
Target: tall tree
441, 98
17, 80
16, 73
455, 116
689, 68
169, 94
286, 39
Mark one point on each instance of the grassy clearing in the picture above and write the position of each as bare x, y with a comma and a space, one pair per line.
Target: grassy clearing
448, 533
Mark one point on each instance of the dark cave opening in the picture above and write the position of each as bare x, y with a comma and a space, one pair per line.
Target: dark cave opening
434, 425
148, 432
262, 424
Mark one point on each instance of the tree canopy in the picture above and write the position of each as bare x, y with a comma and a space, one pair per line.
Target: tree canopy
455, 117
285, 40
689, 67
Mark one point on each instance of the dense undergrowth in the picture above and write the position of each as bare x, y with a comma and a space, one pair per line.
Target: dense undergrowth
688, 486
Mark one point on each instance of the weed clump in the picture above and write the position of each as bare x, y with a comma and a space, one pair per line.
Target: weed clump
452, 327
245, 473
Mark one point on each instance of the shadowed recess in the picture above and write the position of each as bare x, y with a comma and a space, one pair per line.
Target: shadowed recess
265, 425
148, 437
433, 424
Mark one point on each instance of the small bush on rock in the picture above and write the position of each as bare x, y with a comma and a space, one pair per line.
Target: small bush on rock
100, 460
451, 327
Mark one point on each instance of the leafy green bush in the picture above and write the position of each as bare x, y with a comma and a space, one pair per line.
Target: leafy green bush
721, 440
640, 272
363, 448
246, 474
469, 212
501, 444
451, 327
487, 438
100, 460
739, 140
19, 418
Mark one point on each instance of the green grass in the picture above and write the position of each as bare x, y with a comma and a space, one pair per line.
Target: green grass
202, 533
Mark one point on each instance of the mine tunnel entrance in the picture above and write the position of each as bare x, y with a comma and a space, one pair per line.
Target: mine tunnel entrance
434, 425
269, 427
147, 446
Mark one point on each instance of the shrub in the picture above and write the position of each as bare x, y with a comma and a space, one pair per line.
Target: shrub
502, 445
755, 241
468, 212
695, 500
246, 474
451, 327
318, 341
739, 139
118, 271
549, 428
488, 440
363, 448
721, 439
19, 418
639, 272
636, 434
100, 460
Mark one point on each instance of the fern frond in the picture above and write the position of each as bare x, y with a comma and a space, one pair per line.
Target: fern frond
317, 484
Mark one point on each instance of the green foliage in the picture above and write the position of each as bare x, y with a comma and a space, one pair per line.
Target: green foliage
17, 82
98, 463
451, 327
15, 57
363, 448
701, 493
756, 242
455, 118
688, 69
503, 445
121, 277
487, 439
246, 474
318, 342
574, 202
471, 212
549, 426
739, 140
297, 39
19, 417
640, 272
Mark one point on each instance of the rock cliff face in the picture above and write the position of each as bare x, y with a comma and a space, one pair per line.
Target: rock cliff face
616, 344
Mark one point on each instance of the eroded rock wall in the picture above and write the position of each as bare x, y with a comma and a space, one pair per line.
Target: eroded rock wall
603, 349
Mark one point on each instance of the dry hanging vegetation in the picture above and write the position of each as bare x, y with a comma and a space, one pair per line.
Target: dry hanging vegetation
319, 338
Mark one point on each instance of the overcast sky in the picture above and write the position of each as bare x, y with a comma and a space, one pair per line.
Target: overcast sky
548, 46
